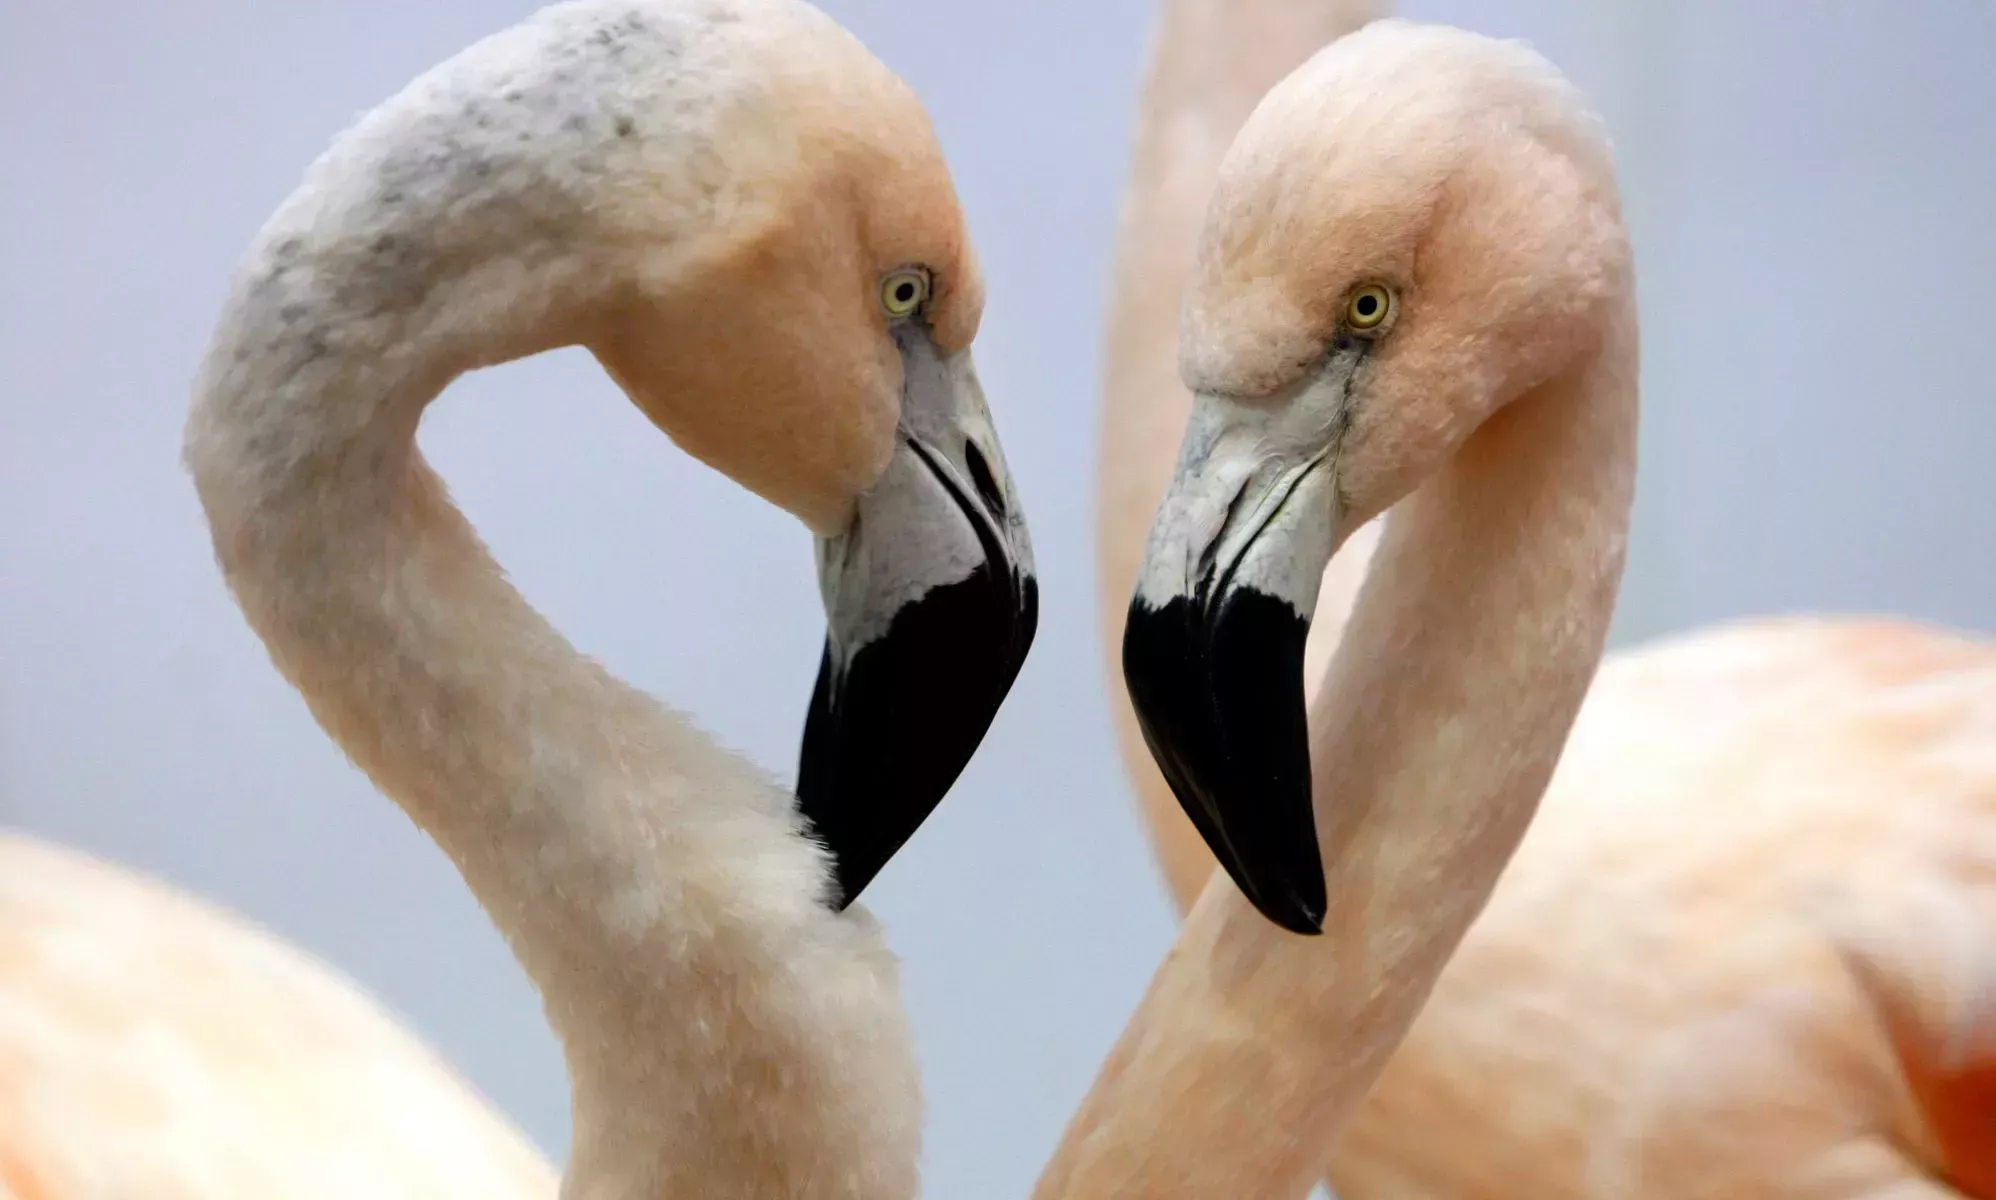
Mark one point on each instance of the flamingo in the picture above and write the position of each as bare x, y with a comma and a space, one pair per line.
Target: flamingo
746, 219
1412, 292
1735, 971
153, 1045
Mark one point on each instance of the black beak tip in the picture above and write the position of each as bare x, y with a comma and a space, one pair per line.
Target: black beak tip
1288, 890
888, 736
1218, 693
1293, 915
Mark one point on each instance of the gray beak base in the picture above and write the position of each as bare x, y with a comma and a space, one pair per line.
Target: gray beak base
932, 606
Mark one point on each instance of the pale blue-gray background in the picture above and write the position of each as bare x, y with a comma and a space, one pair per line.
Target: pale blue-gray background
1812, 184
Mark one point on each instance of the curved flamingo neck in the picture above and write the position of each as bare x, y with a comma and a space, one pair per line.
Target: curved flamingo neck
1475, 637
725, 1033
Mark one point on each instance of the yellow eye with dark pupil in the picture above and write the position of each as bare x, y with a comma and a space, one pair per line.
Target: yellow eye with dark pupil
1368, 307
902, 292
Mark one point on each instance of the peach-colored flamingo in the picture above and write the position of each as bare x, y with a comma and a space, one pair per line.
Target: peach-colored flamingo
746, 218
1739, 970
1748, 949
1412, 292
151, 1045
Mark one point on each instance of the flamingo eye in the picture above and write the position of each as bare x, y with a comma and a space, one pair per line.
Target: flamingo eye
1368, 307
902, 292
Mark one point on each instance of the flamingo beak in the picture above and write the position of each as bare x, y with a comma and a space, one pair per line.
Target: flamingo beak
1213, 646
931, 606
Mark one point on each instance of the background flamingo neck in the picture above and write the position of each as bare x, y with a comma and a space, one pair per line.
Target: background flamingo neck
1210, 63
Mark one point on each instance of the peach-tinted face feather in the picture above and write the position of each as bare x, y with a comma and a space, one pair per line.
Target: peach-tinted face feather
834, 179
1462, 175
